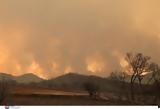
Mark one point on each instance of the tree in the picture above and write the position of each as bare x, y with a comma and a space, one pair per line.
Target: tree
92, 89
118, 76
138, 65
155, 79
155, 73
120, 81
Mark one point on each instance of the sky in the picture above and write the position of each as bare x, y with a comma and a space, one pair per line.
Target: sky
53, 37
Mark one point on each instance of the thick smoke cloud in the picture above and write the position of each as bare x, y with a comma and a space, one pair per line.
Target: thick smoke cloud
53, 37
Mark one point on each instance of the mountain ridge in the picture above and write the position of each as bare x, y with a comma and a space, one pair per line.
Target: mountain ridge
25, 78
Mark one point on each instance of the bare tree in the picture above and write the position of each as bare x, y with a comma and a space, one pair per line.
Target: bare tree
138, 64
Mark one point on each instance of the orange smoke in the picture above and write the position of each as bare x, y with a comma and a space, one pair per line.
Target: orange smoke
4, 53
13, 38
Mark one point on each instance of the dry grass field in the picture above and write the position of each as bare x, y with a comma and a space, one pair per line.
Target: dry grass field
45, 96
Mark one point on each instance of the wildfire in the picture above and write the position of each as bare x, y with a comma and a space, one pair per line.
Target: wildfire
121, 60
123, 63
35, 68
68, 69
95, 64
125, 66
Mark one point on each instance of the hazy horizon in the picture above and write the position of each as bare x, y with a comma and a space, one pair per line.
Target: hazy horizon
53, 37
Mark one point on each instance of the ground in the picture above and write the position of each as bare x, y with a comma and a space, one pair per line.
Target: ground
46, 96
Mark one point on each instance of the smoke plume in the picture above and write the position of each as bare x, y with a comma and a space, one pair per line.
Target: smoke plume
53, 37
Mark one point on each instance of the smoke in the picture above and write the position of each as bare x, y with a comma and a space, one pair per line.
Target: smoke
53, 37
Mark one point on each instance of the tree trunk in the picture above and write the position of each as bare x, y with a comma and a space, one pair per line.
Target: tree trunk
132, 89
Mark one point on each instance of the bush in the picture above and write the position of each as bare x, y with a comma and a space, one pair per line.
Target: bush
92, 89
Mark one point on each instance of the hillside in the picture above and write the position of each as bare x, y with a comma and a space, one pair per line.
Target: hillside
26, 78
4, 76
74, 81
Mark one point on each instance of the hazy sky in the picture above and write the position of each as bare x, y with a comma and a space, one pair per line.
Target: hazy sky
53, 37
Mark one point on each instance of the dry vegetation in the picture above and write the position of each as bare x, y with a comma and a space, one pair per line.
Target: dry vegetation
27, 96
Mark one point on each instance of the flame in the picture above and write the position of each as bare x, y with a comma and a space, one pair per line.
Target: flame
68, 69
17, 71
124, 64
13, 38
96, 64
37, 70
56, 68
